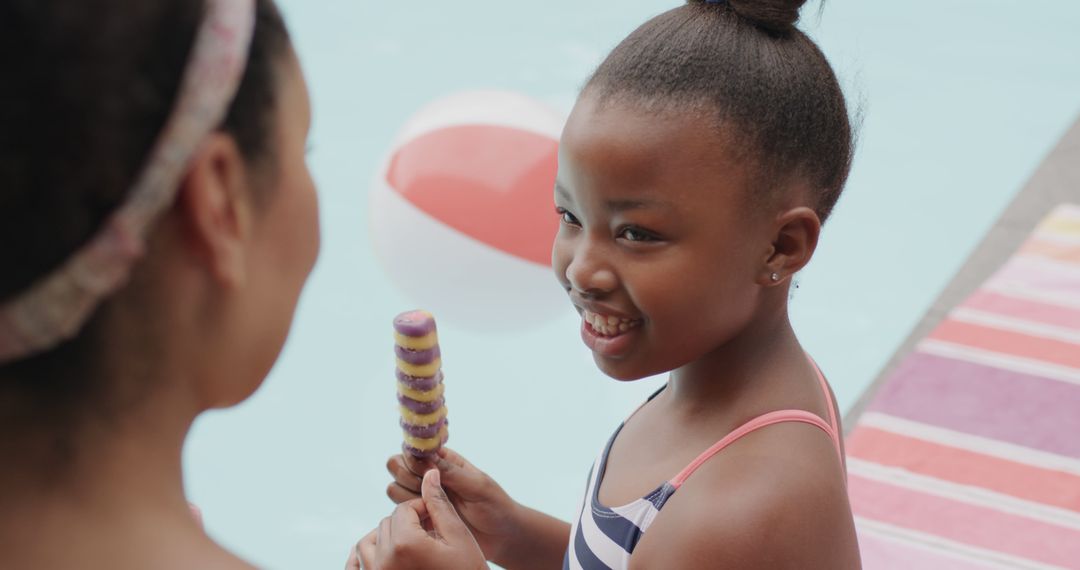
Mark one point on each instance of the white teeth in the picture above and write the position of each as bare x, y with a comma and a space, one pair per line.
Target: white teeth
609, 325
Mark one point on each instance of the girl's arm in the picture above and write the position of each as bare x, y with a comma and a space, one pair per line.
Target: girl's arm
539, 545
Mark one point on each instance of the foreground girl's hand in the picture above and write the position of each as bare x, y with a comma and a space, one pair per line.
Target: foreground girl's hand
509, 534
484, 506
424, 533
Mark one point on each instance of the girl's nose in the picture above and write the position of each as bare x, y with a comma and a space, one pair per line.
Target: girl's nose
589, 273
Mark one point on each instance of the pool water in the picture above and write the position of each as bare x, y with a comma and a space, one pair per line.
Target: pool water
960, 101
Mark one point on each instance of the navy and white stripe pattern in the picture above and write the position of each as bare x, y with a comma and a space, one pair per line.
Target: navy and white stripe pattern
603, 538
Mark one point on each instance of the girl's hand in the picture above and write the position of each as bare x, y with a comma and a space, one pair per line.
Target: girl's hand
491, 515
424, 533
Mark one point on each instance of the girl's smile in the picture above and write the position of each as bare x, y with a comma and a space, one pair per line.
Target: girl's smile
607, 333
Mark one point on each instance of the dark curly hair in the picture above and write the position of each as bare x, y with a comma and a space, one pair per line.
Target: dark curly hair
768, 84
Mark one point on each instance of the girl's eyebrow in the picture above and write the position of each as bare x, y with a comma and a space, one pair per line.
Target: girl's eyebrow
636, 204
562, 191
620, 205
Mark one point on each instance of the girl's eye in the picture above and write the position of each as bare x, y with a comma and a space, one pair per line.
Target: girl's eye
567, 217
637, 234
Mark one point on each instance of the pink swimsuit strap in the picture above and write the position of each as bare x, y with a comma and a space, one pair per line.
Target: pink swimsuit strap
780, 416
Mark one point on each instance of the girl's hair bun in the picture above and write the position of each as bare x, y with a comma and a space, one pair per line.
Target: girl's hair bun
773, 15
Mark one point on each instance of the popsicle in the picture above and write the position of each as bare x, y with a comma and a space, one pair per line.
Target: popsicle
420, 384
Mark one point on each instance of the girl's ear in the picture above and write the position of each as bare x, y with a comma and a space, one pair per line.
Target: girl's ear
215, 210
794, 241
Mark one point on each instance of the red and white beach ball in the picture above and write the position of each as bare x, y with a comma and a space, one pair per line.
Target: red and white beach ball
462, 213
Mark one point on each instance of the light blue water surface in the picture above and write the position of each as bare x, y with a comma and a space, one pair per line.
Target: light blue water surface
962, 99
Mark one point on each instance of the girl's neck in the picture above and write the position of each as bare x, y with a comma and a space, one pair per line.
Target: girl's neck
109, 495
727, 376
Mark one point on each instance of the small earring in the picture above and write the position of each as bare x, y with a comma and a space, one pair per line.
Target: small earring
775, 277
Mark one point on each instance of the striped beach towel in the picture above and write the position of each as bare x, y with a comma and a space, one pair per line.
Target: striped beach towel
968, 457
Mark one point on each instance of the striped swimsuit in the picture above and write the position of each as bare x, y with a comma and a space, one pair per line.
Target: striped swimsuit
603, 538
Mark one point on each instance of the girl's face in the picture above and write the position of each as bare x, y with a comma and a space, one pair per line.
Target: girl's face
658, 248
286, 230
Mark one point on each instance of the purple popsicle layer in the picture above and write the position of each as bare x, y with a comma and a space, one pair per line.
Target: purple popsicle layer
419, 383
421, 407
417, 453
414, 323
417, 356
423, 454
423, 431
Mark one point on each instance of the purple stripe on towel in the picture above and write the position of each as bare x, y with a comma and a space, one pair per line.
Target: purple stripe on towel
988, 402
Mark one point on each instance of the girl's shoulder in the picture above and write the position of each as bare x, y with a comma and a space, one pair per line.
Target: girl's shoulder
775, 496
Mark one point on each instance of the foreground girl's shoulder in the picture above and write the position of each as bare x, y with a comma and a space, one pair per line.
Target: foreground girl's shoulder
774, 499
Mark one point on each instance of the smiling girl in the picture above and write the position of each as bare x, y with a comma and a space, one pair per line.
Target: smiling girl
695, 173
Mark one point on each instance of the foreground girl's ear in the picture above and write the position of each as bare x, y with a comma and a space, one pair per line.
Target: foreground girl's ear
215, 209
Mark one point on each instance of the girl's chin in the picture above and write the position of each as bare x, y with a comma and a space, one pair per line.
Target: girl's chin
622, 370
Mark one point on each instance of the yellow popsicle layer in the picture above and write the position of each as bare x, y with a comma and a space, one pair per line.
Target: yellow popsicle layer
419, 396
420, 370
416, 419
417, 342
